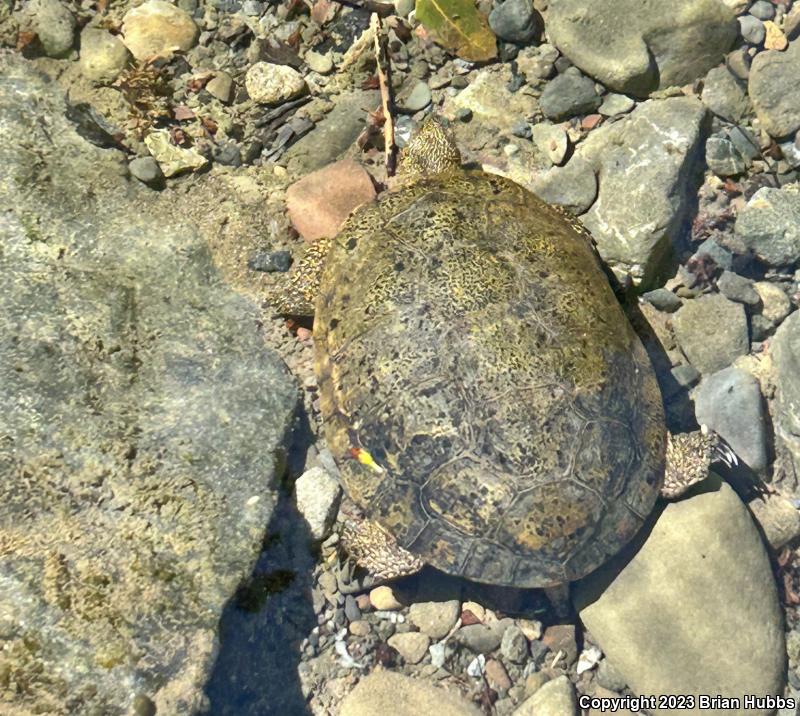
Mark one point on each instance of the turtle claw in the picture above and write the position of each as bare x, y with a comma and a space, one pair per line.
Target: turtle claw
346, 580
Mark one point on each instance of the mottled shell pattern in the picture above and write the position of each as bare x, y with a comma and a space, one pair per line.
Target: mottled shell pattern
468, 341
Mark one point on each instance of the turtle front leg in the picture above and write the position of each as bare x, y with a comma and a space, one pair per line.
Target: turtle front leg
689, 455
374, 549
298, 297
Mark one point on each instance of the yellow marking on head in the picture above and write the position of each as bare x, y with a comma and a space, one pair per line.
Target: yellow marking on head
366, 459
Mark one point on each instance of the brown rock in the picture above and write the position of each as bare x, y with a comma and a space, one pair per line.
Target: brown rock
319, 203
775, 39
497, 676
158, 28
561, 637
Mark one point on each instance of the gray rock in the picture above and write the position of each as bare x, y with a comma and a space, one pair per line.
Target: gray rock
482, 638
435, 619
663, 299
387, 692
636, 47
554, 698
712, 332
615, 104
551, 140
103, 55
738, 288
730, 403
725, 95
723, 158
763, 10
412, 645
317, 494
738, 62
722, 257
145, 423
632, 159
785, 351
568, 95
53, 24
769, 225
270, 261
760, 328
685, 375
745, 142
752, 29
515, 21
573, 186
791, 152
417, 97
695, 609
778, 517
147, 171
774, 91
514, 645
608, 677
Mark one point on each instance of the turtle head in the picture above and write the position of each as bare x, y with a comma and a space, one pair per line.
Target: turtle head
431, 150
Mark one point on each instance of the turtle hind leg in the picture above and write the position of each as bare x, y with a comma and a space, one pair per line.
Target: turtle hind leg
374, 549
689, 455
298, 297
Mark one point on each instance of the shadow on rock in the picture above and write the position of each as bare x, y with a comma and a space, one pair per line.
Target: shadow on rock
263, 626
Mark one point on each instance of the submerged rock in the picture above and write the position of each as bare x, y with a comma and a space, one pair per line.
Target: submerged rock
144, 426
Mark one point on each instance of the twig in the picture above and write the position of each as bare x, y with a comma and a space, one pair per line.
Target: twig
381, 8
384, 70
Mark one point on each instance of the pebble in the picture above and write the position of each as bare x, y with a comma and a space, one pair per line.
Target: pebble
482, 638
268, 83
317, 62
435, 619
531, 628
554, 698
738, 62
270, 261
412, 645
320, 202
722, 256
608, 677
147, 171
763, 10
103, 55
778, 517
317, 494
615, 104
157, 27
775, 303
539, 652
769, 225
573, 186
53, 24
515, 21
383, 598
774, 91
730, 403
752, 29
712, 332
415, 99
775, 39
497, 676
535, 681
745, 142
351, 610
514, 645
221, 86
685, 375
663, 299
568, 95
173, 160
386, 692
561, 638
725, 95
551, 140
738, 288
723, 158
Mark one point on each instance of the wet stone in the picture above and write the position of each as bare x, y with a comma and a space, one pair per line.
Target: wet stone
763, 10
270, 261
738, 288
515, 21
663, 299
752, 29
147, 171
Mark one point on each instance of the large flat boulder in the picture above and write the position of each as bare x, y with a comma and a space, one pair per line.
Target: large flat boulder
144, 425
694, 610
638, 46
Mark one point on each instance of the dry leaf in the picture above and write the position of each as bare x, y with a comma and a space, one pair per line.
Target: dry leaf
458, 26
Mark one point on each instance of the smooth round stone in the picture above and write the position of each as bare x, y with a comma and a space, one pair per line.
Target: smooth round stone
752, 29
53, 24
663, 300
412, 645
268, 83
417, 98
158, 28
435, 619
763, 10
568, 95
694, 609
515, 21
730, 403
775, 92
146, 170
103, 55
614, 104
383, 599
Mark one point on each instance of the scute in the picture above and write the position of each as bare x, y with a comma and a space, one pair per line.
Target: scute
468, 339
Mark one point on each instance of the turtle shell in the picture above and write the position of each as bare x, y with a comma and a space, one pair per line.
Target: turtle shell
468, 340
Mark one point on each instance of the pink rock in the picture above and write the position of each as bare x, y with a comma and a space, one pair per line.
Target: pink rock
590, 121
319, 203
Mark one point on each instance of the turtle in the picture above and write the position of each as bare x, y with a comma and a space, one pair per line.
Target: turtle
490, 407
